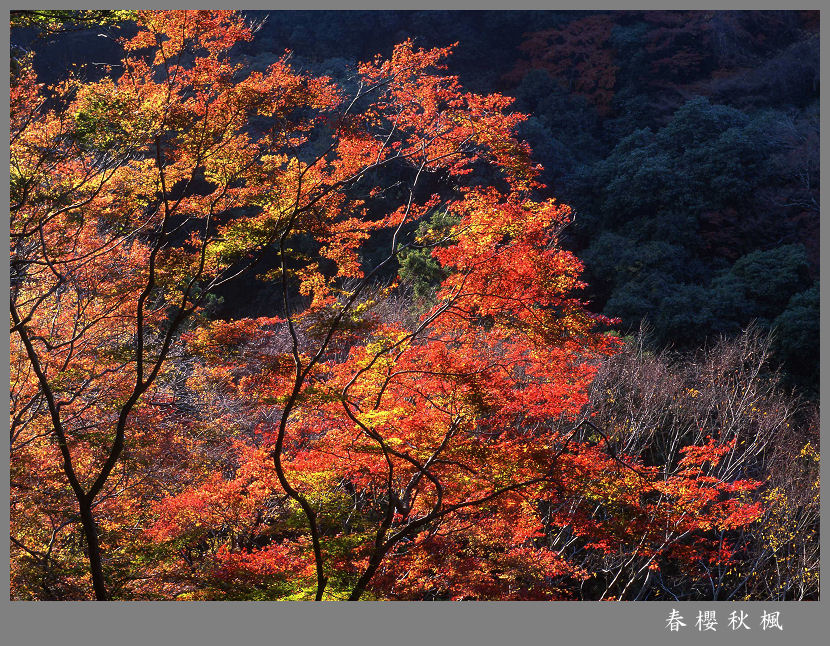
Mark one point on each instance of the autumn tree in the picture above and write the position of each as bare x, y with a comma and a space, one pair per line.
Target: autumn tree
123, 191
653, 403
579, 55
348, 445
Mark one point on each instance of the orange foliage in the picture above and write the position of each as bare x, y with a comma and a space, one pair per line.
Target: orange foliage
336, 449
579, 55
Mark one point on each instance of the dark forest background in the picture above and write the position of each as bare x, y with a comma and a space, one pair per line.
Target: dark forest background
686, 142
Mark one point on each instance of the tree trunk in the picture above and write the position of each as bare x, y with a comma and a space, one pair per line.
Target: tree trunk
93, 551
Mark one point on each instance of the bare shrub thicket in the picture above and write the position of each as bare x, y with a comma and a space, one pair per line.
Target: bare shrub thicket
650, 404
